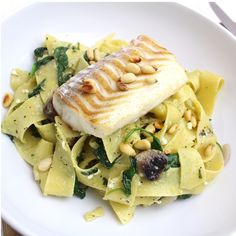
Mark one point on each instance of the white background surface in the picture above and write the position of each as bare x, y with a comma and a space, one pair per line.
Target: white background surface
9, 7
218, 214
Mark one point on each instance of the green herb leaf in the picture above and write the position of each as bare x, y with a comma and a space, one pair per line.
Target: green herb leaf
61, 62
156, 144
128, 176
184, 196
100, 153
40, 63
38, 52
172, 161
90, 171
65, 78
80, 189
37, 89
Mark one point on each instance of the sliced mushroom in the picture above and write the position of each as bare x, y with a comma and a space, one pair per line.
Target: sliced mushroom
151, 163
49, 110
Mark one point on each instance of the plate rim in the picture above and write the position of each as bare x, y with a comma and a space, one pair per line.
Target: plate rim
6, 216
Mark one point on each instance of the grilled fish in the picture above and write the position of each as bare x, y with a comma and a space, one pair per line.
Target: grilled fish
100, 99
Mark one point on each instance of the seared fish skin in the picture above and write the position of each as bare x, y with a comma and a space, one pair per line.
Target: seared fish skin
97, 102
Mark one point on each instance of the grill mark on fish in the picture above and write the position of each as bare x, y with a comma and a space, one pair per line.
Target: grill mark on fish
107, 97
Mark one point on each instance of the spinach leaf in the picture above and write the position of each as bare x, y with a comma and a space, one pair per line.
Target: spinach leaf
65, 78
100, 153
40, 63
90, 171
34, 131
80, 189
184, 196
37, 89
128, 176
38, 52
156, 144
80, 158
61, 62
172, 161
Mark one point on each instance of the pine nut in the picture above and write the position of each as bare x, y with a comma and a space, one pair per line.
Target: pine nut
208, 150
167, 151
135, 59
188, 115
45, 164
150, 128
97, 56
7, 100
172, 129
122, 86
189, 125
150, 80
150, 139
88, 86
90, 54
194, 121
133, 68
164, 141
158, 125
142, 144
128, 78
127, 149
147, 69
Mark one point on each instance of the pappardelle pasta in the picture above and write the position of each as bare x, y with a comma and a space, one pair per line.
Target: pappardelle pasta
177, 135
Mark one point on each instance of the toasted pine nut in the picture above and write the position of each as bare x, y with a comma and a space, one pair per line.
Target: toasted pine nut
150, 128
172, 129
208, 150
150, 139
133, 68
88, 86
135, 59
142, 144
167, 151
128, 78
188, 115
7, 100
92, 62
151, 80
45, 164
122, 86
194, 121
90, 54
97, 55
147, 69
127, 149
158, 125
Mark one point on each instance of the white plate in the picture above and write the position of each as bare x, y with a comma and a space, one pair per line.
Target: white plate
197, 43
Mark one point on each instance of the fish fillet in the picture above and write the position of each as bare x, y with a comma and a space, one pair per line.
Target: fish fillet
109, 108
